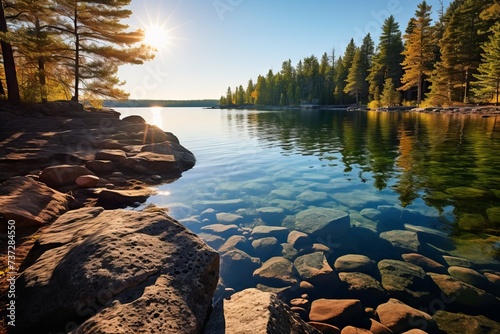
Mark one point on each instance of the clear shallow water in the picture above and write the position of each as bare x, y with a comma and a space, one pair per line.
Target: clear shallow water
385, 169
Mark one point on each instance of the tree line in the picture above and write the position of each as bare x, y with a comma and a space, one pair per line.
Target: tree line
453, 60
62, 49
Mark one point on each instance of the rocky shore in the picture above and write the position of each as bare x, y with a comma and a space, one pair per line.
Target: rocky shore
90, 266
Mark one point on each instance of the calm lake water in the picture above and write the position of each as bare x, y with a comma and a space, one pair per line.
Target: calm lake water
385, 169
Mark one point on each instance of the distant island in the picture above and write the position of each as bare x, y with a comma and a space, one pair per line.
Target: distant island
160, 103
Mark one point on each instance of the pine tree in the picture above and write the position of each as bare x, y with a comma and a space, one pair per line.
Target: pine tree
488, 78
8, 61
100, 42
390, 96
387, 61
419, 50
249, 91
464, 34
343, 65
356, 78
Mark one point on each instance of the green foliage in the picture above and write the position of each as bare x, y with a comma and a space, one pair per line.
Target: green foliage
390, 96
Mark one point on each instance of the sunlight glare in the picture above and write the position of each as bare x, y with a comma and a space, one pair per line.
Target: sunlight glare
156, 36
157, 117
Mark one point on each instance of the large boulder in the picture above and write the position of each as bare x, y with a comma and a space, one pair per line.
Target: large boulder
236, 269
354, 263
30, 203
400, 317
315, 269
405, 281
337, 312
463, 293
458, 323
254, 311
321, 222
100, 271
276, 272
62, 175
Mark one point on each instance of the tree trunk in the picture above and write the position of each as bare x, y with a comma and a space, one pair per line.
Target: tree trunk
77, 55
9, 63
41, 67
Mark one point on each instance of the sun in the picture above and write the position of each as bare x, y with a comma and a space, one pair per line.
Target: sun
156, 36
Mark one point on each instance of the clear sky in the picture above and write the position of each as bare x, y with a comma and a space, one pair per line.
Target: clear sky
208, 45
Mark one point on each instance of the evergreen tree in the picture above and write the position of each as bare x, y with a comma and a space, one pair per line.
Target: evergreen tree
249, 91
100, 43
367, 51
229, 96
488, 76
343, 66
464, 34
260, 95
390, 96
9, 64
387, 61
419, 50
356, 78
326, 81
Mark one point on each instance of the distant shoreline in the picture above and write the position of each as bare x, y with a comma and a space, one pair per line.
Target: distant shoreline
160, 103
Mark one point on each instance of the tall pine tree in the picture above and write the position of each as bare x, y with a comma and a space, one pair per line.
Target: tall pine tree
387, 61
419, 51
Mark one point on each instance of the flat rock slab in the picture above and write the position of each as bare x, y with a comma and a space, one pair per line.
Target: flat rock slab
321, 222
405, 241
115, 271
336, 312
256, 312
30, 203
119, 198
457, 323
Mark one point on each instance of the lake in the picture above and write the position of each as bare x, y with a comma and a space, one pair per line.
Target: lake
438, 175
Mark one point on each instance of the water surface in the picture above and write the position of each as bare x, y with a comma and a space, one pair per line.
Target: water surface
432, 170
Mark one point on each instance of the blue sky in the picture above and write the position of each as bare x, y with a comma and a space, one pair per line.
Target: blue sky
213, 44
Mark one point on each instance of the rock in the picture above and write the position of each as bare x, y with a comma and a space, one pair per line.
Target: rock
87, 181
494, 214
457, 261
30, 203
101, 167
279, 233
192, 223
494, 282
464, 294
214, 241
336, 312
237, 268
134, 119
321, 222
276, 272
229, 218
221, 229
62, 175
236, 242
152, 163
404, 241
219, 205
117, 269
470, 276
271, 215
370, 213
358, 199
458, 323
324, 328
254, 311
299, 240
111, 198
429, 265
289, 252
116, 156
310, 197
210, 215
405, 281
377, 328
266, 248
363, 287
354, 263
354, 330
400, 317
415, 331
315, 269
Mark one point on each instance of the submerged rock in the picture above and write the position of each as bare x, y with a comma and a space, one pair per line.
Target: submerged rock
254, 311
354, 263
404, 241
337, 312
315, 269
276, 272
400, 317
458, 323
116, 271
321, 222
363, 287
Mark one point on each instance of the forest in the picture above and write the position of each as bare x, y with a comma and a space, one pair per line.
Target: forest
451, 61
66, 49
